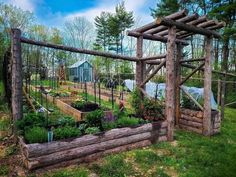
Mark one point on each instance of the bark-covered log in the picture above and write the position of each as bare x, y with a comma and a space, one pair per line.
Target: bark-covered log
189, 118
187, 27
78, 50
207, 88
154, 37
170, 83
92, 157
173, 16
79, 152
190, 123
38, 149
190, 128
153, 73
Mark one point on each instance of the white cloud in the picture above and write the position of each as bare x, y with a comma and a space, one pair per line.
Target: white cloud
109, 6
23, 4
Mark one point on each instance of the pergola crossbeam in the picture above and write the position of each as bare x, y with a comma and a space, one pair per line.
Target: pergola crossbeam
173, 16
187, 27
191, 98
154, 37
153, 73
192, 60
194, 71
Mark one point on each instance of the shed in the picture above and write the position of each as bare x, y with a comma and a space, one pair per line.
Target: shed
81, 71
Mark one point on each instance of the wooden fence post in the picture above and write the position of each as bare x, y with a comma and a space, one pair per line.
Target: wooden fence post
218, 92
17, 76
207, 88
178, 80
170, 82
140, 65
222, 100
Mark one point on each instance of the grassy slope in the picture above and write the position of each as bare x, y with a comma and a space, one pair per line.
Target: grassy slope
190, 155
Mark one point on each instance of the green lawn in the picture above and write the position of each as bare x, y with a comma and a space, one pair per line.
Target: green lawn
190, 155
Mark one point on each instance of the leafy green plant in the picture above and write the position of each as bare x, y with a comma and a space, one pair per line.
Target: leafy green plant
36, 135
92, 130
136, 102
153, 109
94, 118
109, 125
82, 127
66, 132
4, 124
31, 120
66, 120
126, 121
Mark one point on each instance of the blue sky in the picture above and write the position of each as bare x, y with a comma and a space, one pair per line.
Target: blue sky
54, 13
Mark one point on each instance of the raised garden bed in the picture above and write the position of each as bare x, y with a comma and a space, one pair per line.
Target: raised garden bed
193, 121
90, 147
64, 105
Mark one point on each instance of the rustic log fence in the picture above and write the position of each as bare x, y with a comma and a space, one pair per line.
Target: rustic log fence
173, 30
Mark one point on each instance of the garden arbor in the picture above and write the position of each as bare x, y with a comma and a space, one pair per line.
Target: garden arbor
173, 30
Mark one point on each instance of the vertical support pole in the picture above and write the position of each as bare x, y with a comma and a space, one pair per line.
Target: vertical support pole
218, 92
178, 80
17, 78
207, 88
140, 66
95, 93
222, 101
170, 85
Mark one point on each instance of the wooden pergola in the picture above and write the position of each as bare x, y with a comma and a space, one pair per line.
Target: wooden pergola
173, 30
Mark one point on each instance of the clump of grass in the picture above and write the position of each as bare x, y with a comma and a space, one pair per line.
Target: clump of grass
146, 158
80, 172
115, 166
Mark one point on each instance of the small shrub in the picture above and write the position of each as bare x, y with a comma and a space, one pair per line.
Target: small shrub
66, 132
85, 106
152, 109
92, 130
31, 120
136, 102
67, 120
109, 125
94, 119
126, 121
82, 127
36, 135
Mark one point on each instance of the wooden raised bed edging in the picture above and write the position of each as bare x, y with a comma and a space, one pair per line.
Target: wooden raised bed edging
193, 121
90, 147
68, 109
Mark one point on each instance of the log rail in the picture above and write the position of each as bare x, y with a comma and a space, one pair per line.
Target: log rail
91, 147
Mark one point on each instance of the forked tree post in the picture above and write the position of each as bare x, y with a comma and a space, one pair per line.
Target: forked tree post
17, 78
170, 82
207, 88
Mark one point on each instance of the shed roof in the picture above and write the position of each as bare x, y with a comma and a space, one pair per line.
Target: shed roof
78, 63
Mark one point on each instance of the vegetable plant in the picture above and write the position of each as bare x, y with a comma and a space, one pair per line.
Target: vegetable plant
94, 118
66, 132
36, 135
127, 121
92, 130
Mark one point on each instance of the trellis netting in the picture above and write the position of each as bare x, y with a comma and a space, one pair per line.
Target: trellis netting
158, 90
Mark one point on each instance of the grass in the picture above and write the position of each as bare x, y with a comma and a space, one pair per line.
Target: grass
191, 155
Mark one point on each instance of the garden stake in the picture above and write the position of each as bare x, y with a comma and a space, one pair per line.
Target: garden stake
99, 92
95, 96
112, 92
85, 87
